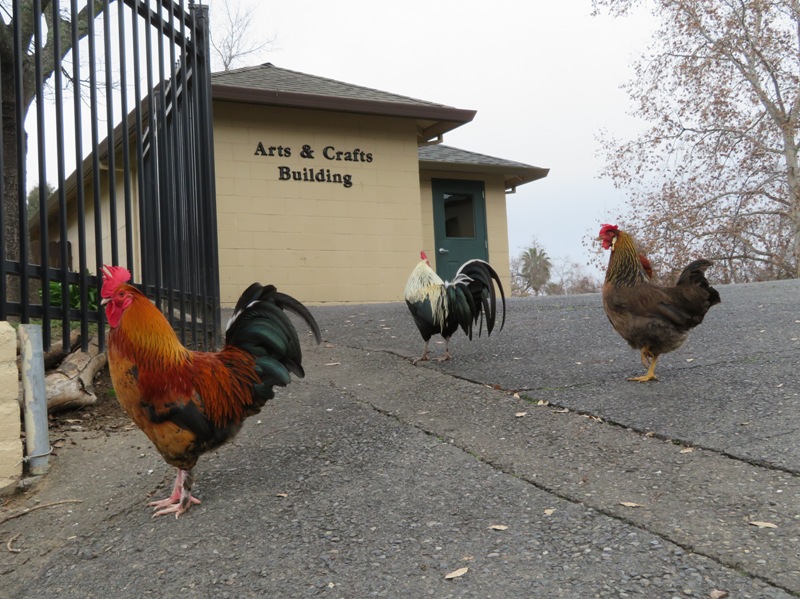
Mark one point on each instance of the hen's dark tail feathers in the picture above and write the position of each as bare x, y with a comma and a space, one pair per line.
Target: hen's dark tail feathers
694, 274
481, 288
260, 327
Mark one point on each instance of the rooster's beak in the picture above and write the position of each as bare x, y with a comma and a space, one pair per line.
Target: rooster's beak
104, 301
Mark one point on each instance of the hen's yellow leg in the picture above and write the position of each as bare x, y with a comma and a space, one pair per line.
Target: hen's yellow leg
651, 372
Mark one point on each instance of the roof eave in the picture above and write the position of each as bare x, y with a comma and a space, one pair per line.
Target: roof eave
512, 176
434, 120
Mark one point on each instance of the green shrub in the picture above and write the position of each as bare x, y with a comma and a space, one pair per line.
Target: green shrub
74, 292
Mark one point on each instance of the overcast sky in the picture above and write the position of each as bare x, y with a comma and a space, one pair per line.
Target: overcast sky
543, 76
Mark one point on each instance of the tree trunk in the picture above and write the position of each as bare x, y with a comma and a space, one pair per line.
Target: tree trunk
11, 182
793, 185
13, 174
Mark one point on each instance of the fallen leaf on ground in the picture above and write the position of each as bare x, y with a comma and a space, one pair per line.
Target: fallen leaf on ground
333, 364
717, 594
687, 450
520, 414
456, 573
549, 510
499, 527
761, 524
516, 396
630, 504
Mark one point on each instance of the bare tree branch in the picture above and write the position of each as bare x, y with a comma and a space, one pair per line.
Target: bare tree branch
233, 42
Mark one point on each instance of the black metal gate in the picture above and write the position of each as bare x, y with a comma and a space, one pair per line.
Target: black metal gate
107, 156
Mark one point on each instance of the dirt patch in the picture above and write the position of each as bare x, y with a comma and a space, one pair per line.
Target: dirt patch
104, 415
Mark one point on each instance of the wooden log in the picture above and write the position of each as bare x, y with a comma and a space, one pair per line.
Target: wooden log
56, 353
71, 385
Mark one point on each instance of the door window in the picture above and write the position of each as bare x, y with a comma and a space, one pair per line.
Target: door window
459, 215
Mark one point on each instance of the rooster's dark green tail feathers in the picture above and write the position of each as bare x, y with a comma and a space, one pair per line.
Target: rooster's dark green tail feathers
260, 327
481, 288
287, 302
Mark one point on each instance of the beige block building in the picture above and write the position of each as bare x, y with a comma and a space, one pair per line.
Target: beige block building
331, 190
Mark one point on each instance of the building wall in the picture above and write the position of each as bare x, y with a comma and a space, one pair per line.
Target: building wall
318, 241
496, 219
89, 221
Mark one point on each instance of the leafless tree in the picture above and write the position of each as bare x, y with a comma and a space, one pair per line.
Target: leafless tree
716, 173
571, 278
232, 36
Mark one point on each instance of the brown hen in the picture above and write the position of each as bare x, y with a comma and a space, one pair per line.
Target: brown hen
651, 318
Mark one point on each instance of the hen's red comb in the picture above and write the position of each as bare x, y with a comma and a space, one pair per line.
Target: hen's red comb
113, 277
423, 256
606, 228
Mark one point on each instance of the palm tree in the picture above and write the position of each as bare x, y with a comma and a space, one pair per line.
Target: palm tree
535, 268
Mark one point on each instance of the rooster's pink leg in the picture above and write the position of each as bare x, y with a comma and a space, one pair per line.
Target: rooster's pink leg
180, 500
447, 355
424, 356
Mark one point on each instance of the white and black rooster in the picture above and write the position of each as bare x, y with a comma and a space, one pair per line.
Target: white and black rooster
441, 307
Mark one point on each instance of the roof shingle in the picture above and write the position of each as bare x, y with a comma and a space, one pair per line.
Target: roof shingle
268, 77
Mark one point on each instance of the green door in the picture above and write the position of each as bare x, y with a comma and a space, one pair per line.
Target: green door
459, 224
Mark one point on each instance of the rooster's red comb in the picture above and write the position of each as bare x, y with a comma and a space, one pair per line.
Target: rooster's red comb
113, 277
606, 228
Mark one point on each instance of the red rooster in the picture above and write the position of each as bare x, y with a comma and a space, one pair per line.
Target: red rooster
651, 318
441, 307
190, 402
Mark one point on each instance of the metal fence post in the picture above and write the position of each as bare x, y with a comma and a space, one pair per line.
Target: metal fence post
37, 441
